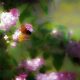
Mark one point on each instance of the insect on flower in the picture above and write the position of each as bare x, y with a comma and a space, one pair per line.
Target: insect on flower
23, 33
26, 29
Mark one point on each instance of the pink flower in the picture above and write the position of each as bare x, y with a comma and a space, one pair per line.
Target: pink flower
8, 19
22, 76
50, 76
29, 27
56, 76
42, 76
16, 35
3, 27
53, 76
15, 12
34, 64
67, 76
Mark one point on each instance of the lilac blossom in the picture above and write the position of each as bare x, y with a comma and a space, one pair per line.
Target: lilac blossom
67, 76
8, 19
56, 76
53, 76
29, 27
32, 64
15, 12
16, 34
42, 76
3, 27
73, 49
22, 76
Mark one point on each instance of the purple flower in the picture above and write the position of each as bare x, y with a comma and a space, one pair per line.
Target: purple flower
8, 19
4, 27
29, 27
67, 76
42, 76
73, 49
53, 76
47, 76
32, 64
22, 76
16, 34
56, 76
15, 12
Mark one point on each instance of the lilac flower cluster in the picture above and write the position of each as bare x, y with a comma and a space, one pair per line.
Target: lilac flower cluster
32, 64
8, 19
56, 76
35, 64
29, 27
22, 76
16, 34
73, 49
50, 76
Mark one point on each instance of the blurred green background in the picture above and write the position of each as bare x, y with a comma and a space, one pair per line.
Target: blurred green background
46, 15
